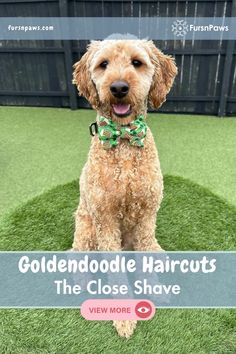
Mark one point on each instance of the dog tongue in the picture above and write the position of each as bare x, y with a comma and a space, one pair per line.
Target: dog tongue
121, 108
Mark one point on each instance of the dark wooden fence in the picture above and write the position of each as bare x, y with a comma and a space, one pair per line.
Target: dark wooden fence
38, 73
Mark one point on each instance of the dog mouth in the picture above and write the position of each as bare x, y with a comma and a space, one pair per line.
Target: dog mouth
121, 109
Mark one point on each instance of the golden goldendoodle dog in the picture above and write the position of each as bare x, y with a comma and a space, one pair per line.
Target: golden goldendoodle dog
121, 183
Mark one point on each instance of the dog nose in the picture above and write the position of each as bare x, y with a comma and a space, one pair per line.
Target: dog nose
119, 88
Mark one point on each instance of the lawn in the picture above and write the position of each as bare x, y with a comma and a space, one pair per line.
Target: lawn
42, 152
41, 148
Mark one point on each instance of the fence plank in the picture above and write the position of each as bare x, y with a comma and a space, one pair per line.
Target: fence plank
63, 6
227, 70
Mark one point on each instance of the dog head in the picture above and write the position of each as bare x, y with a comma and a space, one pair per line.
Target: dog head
119, 77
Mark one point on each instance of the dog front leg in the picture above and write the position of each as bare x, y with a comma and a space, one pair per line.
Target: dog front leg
144, 240
144, 234
85, 234
109, 239
108, 233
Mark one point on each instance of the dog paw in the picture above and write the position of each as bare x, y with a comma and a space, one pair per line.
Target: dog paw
125, 328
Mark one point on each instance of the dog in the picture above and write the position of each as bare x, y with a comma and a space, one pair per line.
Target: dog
121, 184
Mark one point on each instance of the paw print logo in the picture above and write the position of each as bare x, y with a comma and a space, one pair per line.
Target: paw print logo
180, 28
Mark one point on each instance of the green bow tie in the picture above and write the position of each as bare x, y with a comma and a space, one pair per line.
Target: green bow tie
110, 133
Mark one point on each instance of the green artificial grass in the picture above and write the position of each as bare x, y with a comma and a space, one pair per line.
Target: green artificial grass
190, 218
43, 147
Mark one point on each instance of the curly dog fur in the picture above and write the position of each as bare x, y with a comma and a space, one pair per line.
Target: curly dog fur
121, 188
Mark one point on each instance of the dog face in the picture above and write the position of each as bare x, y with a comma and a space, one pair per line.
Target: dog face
119, 77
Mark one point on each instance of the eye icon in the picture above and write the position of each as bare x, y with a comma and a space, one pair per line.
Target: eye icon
143, 309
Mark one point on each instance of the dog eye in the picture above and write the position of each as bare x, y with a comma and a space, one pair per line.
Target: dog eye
136, 63
103, 64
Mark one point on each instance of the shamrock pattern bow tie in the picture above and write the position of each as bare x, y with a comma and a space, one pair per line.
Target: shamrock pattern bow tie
110, 133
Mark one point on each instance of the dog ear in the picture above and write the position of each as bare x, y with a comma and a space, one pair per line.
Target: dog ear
82, 76
164, 74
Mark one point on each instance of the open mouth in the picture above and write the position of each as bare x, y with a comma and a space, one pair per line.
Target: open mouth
121, 109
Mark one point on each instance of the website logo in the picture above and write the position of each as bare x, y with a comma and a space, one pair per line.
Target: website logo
180, 28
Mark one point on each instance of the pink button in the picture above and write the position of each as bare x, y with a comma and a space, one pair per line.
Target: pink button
104, 310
